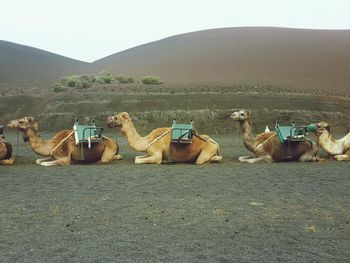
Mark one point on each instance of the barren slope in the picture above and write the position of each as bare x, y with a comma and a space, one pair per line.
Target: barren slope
303, 59
27, 66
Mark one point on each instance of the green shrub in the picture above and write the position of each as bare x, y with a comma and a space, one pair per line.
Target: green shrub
59, 88
123, 79
84, 81
85, 77
151, 80
71, 80
104, 76
82, 84
92, 78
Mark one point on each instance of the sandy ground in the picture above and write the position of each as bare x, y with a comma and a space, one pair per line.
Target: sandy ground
227, 212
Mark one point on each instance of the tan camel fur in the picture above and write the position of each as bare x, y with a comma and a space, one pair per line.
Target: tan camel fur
267, 147
5, 153
159, 148
61, 149
338, 149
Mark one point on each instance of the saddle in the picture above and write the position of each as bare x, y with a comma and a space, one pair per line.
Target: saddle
86, 134
182, 133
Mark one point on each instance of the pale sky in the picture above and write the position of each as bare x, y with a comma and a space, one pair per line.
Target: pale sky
89, 30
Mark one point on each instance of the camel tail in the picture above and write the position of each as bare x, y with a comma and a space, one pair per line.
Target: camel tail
9, 150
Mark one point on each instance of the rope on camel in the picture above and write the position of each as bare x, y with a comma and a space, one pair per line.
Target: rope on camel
158, 138
60, 143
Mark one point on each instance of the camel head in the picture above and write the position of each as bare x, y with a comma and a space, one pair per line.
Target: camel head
118, 120
241, 115
323, 128
24, 124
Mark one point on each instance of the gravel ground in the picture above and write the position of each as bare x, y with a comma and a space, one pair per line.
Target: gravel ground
227, 212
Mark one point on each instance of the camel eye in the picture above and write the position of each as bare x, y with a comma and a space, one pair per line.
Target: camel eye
242, 114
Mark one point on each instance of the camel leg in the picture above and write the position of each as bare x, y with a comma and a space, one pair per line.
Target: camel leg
207, 156
39, 161
155, 158
142, 156
107, 155
60, 162
202, 159
307, 157
215, 158
242, 158
110, 152
342, 157
310, 155
265, 158
7, 161
117, 157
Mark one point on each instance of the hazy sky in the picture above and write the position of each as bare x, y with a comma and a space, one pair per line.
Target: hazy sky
88, 30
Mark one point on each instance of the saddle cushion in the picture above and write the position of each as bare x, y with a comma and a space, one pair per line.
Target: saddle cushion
181, 132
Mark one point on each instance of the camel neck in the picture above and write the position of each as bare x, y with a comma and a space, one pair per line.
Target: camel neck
38, 145
329, 144
135, 141
248, 139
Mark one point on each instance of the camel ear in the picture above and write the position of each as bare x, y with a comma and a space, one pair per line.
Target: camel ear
125, 115
249, 112
30, 119
328, 128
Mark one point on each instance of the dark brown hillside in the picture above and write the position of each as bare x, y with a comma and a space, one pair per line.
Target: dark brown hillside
27, 67
307, 60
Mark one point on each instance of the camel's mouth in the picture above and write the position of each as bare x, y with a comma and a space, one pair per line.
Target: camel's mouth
111, 123
236, 116
318, 132
12, 125
15, 126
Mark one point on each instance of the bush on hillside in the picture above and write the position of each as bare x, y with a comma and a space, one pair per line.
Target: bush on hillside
124, 80
59, 88
82, 84
71, 80
151, 80
85, 81
105, 77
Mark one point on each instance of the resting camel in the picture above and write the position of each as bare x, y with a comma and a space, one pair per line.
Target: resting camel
61, 149
338, 149
267, 147
159, 148
5, 152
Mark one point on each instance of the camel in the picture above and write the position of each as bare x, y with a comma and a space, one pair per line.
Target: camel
157, 144
267, 147
338, 149
61, 149
5, 152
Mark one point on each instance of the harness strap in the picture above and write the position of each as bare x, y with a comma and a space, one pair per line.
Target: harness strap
105, 137
205, 139
60, 143
209, 140
158, 138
